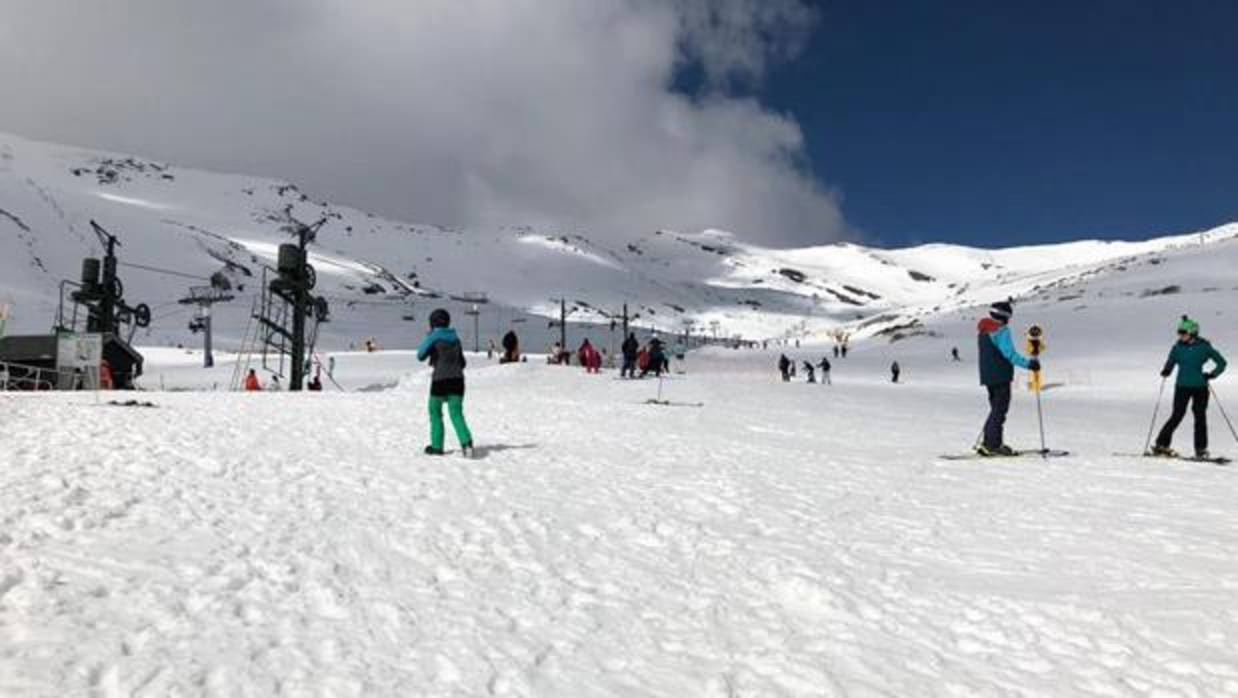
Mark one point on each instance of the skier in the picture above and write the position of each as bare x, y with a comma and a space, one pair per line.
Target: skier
630, 348
642, 362
330, 366
443, 350
812, 372
584, 354
844, 351
1189, 354
997, 359
657, 359
825, 370
490, 349
894, 371
657, 350
251, 382
589, 357
784, 367
511, 348
954, 354
835, 351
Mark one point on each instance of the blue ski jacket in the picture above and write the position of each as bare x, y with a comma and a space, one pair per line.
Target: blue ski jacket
997, 353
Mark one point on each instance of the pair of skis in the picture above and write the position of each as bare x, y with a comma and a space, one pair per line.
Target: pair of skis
1034, 452
1049, 453
1215, 460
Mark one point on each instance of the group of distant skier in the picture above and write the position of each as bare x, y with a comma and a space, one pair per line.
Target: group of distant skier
443, 350
997, 354
787, 368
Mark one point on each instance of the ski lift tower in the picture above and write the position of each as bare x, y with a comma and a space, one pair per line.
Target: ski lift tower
204, 297
476, 300
289, 294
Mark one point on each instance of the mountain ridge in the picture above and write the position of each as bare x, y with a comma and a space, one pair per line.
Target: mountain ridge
380, 274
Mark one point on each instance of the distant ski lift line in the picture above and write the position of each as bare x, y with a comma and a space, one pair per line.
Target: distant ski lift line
169, 272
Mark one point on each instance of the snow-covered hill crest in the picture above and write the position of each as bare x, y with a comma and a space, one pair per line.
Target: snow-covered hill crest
380, 273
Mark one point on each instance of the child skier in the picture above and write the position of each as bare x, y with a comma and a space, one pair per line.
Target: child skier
997, 359
442, 348
1189, 354
811, 369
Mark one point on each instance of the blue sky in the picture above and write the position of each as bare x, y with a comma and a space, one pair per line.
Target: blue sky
998, 123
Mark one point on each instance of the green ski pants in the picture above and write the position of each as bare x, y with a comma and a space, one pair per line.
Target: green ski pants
455, 408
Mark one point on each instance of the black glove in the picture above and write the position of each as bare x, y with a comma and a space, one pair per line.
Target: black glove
1033, 365
1166, 373
1211, 376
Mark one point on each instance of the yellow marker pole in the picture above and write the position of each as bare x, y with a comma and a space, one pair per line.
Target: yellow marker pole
1035, 347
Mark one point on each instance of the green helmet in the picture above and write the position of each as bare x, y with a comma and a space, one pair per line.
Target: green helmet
1188, 325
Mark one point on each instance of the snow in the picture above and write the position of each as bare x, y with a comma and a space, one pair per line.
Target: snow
781, 540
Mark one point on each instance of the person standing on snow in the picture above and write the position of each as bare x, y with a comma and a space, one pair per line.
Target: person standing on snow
1189, 354
997, 361
631, 348
251, 382
812, 371
658, 363
511, 348
443, 350
895, 369
784, 367
825, 370
589, 357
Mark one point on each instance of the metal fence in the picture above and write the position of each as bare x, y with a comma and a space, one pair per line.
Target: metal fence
21, 377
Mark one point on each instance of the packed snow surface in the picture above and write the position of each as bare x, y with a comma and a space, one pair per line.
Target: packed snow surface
752, 538
781, 540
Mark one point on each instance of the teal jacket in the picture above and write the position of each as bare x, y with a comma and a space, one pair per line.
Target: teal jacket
1190, 360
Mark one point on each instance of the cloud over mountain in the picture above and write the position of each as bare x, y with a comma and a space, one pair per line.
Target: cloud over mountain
467, 112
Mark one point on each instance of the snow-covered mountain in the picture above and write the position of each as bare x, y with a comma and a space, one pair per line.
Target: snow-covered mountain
181, 226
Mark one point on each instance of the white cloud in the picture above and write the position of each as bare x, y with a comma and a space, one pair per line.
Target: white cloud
469, 112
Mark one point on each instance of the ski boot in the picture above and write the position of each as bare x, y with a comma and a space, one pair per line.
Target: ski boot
432, 451
466, 450
1163, 452
1203, 455
998, 452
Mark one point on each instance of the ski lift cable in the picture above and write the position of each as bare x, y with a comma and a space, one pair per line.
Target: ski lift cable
172, 314
169, 272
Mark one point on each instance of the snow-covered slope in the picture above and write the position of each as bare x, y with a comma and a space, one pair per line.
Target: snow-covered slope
778, 540
378, 273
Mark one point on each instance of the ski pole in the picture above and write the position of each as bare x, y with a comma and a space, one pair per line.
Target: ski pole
1159, 396
1040, 418
1217, 400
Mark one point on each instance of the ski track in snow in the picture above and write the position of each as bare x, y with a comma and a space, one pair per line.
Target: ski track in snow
781, 541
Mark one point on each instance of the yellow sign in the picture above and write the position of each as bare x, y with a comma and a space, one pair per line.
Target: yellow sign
1035, 346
